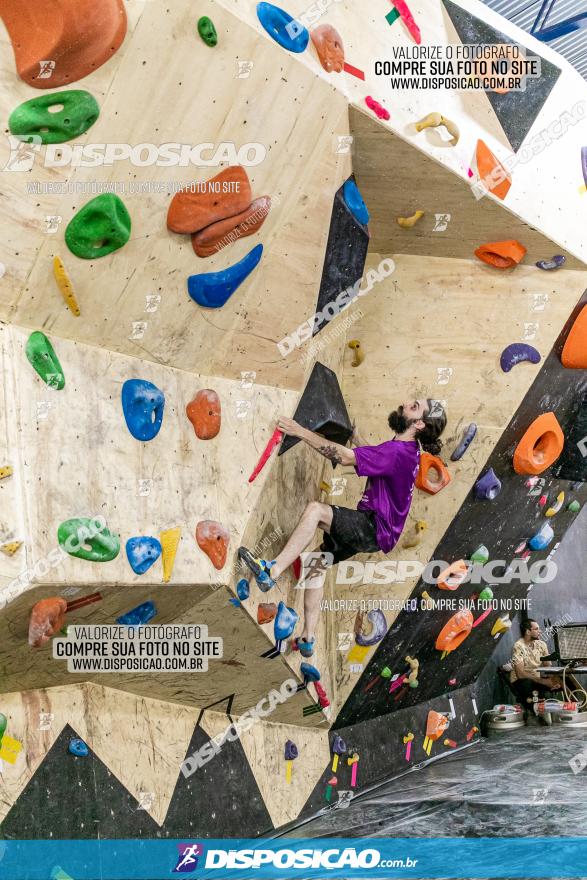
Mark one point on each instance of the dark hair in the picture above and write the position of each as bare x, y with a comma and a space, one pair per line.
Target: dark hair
434, 424
526, 625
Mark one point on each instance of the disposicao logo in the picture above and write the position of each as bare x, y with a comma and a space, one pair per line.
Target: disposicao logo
187, 860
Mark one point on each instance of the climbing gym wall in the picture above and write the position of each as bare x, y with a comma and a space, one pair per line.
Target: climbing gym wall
149, 307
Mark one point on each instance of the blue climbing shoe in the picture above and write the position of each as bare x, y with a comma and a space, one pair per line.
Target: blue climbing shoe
259, 567
304, 646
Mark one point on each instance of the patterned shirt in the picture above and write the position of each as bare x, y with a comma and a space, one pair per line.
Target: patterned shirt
528, 655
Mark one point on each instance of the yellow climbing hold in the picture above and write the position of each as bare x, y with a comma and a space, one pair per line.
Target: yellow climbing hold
325, 487
169, 539
359, 356
501, 625
415, 537
5, 472
11, 548
433, 120
65, 286
408, 222
560, 500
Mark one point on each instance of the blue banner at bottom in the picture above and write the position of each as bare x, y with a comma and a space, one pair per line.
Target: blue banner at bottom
289, 858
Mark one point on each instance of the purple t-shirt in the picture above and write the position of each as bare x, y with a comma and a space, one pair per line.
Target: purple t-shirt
392, 468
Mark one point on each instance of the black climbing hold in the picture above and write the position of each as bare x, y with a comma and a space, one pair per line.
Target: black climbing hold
322, 409
572, 464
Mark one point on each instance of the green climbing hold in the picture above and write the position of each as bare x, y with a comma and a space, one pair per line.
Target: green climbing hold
486, 595
88, 539
207, 31
100, 227
35, 119
44, 361
385, 672
3, 723
481, 555
574, 506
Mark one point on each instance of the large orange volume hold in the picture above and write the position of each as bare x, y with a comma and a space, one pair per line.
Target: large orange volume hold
540, 446
492, 174
574, 355
197, 206
58, 42
501, 254
455, 631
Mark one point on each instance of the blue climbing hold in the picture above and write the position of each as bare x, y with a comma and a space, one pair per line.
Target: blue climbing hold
242, 589
138, 616
78, 748
516, 353
282, 27
354, 202
142, 552
213, 289
542, 538
309, 672
285, 622
142, 405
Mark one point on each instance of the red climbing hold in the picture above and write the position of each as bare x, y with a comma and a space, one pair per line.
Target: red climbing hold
204, 413
47, 618
213, 539
197, 206
57, 42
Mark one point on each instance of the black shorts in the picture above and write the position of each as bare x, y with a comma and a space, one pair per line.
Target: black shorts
351, 532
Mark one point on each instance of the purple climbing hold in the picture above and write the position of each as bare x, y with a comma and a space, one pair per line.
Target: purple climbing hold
378, 629
488, 486
516, 353
584, 163
291, 751
556, 262
338, 746
466, 441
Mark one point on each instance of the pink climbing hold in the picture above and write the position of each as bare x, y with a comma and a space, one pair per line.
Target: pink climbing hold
377, 108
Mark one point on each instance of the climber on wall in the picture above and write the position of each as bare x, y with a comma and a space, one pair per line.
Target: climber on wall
377, 523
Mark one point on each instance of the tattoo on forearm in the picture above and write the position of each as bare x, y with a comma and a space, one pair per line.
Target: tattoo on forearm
331, 453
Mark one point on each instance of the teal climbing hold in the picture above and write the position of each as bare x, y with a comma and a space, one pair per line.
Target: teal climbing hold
354, 202
3, 723
213, 289
34, 119
99, 228
41, 356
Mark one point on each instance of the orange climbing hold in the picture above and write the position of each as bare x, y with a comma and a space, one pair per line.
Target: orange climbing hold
432, 475
266, 612
198, 206
216, 236
574, 354
540, 446
436, 724
501, 254
492, 174
329, 47
58, 42
204, 413
453, 576
455, 631
213, 539
47, 618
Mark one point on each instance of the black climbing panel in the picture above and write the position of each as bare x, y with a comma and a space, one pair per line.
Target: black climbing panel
346, 252
572, 465
516, 111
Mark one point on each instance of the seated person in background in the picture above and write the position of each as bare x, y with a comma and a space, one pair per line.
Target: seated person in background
526, 655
